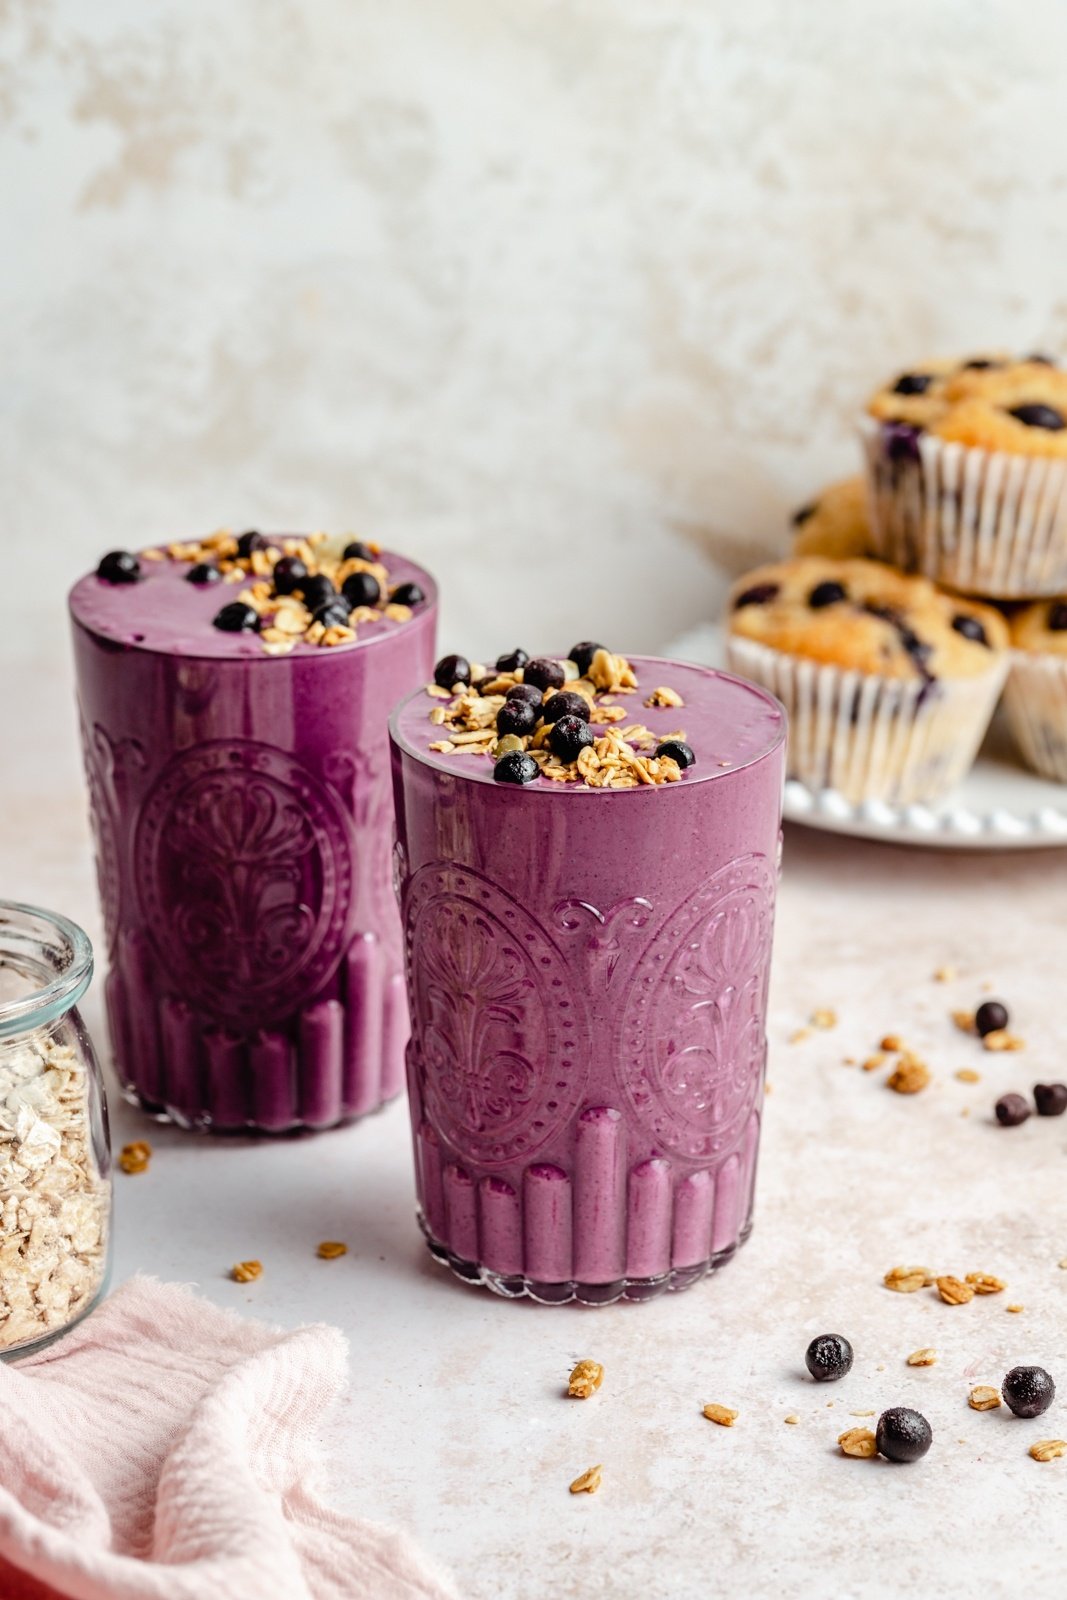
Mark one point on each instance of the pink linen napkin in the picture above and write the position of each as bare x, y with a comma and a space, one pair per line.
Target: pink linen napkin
163, 1451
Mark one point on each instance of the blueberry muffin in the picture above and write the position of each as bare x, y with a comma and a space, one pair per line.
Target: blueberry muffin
1036, 694
889, 682
836, 524
967, 466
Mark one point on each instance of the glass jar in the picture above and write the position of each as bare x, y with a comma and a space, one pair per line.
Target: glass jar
55, 1164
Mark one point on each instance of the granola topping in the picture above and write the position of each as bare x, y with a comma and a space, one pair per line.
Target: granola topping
506, 718
985, 1283
588, 1482
331, 1250
1048, 1449
906, 1280
858, 1442
54, 1202
983, 1398
720, 1414
246, 1271
923, 1358
954, 1292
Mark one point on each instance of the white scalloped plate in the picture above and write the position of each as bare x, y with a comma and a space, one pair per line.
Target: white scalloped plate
999, 806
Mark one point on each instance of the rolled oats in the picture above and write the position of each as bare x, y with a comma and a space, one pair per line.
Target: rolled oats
54, 1203
985, 1283
246, 1271
953, 1292
664, 697
923, 1358
968, 1075
1048, 1449
906, 1280
720, 1414
331, 1249
858, 1442
1000, 1039
909, 1076
585, 1380
587, 1482
825, 1017
983, 1398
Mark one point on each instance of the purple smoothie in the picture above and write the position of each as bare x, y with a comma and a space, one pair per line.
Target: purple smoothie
587, 971
242, 814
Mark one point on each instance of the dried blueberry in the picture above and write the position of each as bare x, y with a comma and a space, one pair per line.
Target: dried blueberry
333, 613
1050, 1099
236, 618
358, 551
903, 1434
544, 673
677, 750
450, 670
408, 594
569, 737
970, 628
582, 654
980, 364
990, 1017
1038, 415
913, 383
317, 591
1028, 1391
512, 661
828, 1357
516, 716
249, 542
516, 767
289, 574
827, 593
526, 691
119, 566
1010, 1110
802, 513
203, 573
1057, 617
901, 441
566, 703
361, 589
1040, 361
758, 595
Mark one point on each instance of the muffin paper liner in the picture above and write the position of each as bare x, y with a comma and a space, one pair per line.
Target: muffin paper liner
984, 522
870, 738
1035, 699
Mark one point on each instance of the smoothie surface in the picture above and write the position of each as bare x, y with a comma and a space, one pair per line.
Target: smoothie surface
727, 721
163, 612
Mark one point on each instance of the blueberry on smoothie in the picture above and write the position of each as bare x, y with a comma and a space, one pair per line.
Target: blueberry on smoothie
566, 703
903, 1434
203, 573
451, 670
677, 750
119, 566
333, 614
828, 1357
361, 589
526, 691
516, 716
289, 574
512, 661
582, 654
358, 551
569, 737
408, 594
248, 543
516, 767
316, 591
544, 673
236, 618
1028, 1391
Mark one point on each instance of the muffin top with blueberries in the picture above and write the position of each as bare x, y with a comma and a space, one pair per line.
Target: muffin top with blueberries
1041, 627
836, 524
867, 617
991, 402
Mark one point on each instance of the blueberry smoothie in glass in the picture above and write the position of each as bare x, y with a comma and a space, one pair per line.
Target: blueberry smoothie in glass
234, 695
587, 859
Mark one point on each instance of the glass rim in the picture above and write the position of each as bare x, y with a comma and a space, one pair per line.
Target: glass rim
45, 1004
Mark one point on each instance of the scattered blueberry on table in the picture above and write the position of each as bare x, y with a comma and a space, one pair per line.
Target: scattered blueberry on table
903, 1434
828, 1357
1028, 1391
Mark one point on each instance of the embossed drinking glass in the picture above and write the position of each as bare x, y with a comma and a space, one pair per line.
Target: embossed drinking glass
587, 973
242, 813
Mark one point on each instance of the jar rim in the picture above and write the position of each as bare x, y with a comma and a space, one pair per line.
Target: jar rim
51, 940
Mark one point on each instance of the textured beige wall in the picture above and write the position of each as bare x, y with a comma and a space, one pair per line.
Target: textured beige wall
556, 296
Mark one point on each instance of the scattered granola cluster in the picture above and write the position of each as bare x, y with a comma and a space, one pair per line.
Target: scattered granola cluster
54, 1202
544, 718
952, 1290
294, 589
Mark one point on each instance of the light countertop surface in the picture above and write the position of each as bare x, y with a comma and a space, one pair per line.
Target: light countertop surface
455, 1426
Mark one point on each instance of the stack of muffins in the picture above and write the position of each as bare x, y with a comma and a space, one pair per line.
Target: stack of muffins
917, 591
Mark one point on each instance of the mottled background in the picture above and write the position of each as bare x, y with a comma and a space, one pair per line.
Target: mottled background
573, 301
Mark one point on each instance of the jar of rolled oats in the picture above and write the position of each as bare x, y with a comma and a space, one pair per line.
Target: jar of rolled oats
55, 1186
